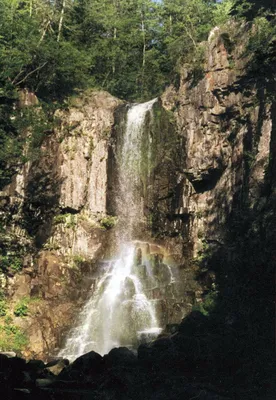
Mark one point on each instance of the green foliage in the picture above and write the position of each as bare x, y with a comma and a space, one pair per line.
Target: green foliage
4, 263
69, 220
16, 264
108, 222
222, 11
253, 8
78, 260
11, 337
203, 254
21, 308
3, 308
126, 47
208, 304
261, 49
59, 219
10, 262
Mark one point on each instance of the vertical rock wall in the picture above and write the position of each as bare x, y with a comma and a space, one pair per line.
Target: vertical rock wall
225, 139
51, 214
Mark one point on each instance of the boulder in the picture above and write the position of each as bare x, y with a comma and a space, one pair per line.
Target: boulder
120, 357
161, 354
87, 365
194, 324
44, 382
35, 365
8, 353
18, 365
5, 369
55, 367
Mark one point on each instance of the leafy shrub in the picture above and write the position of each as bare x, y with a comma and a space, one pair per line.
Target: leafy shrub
21, 308
16, 264
3, 308
77, 260
108, 222
68, 219
12, 338
203, 254
12, 262
60, 219
209, 303
4, 263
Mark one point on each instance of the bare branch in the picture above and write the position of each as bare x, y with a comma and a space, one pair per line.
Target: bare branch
44, 32
32, 72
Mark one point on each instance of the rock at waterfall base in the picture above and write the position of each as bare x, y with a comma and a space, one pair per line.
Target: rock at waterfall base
87, 365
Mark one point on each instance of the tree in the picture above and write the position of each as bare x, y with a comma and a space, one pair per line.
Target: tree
252, 8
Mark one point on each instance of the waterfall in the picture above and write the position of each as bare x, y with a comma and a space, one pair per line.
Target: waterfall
120, 310
130, 157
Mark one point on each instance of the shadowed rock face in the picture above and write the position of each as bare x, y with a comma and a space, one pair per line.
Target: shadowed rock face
225, 128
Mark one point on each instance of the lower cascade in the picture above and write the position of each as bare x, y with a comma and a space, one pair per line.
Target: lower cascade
123, 306
121, 310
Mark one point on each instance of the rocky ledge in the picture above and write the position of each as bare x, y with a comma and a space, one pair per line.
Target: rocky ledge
199, 361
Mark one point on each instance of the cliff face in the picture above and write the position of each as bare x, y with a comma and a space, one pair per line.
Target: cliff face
51, 215
225, 129
226, 124
209, 190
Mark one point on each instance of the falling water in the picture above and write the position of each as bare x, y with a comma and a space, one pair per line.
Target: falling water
129, 201
119, 311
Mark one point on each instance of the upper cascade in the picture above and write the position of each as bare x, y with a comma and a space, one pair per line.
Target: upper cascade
129, 156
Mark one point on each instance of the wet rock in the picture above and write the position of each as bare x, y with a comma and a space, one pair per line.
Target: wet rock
120, 357
4, 362
129, 289
35, 365
194, 324
147, 355
5, 369
17, 365
138, 257
86, 365
162, 343
27, 379
164, 274
44, 382
8, 353
56, 366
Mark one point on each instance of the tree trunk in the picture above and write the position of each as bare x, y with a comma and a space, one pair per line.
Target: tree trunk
144, 42
171, 23
61, 20
114, 57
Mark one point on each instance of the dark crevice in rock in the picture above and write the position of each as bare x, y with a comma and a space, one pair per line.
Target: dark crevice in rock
208, 180
185, 217
69, 210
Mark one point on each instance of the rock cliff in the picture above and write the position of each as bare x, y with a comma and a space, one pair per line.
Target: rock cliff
224, 198
225, 128
51, 218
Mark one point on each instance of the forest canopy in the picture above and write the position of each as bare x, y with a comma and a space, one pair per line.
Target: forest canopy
129, 47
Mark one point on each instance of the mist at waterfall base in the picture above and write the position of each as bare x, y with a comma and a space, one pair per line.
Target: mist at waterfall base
121, 310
